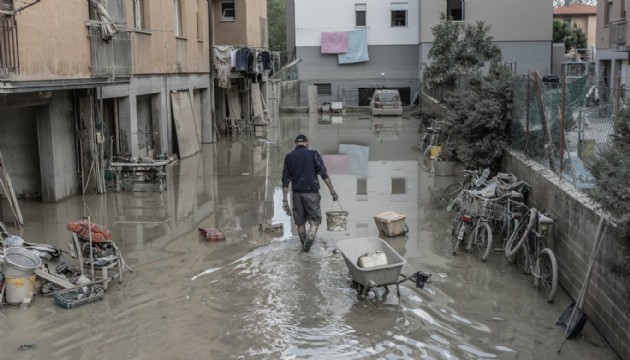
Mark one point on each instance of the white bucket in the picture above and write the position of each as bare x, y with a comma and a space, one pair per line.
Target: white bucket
20, 262
18, 288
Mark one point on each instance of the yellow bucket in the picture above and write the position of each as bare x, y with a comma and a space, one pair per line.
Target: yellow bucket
436, 150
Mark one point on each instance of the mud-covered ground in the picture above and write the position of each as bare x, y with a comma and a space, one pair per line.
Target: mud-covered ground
256, 296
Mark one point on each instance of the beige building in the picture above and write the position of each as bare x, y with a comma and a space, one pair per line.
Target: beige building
611, 42
582, 15
84, 82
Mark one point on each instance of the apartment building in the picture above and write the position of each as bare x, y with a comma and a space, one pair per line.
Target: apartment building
389, 41
241, 31
84, 82
611, 46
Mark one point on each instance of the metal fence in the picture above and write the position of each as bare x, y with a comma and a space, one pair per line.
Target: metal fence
9, 56
563, 125
112, 58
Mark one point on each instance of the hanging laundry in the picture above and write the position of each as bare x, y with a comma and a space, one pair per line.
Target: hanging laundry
334, 42
357, 48
266, 58
242, 63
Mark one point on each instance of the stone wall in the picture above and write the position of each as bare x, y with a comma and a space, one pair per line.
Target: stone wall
576, 218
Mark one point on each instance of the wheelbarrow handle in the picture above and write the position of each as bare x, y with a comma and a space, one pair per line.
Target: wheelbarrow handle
419, 277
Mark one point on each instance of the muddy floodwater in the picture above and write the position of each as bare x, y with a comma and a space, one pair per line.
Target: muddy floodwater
256, 296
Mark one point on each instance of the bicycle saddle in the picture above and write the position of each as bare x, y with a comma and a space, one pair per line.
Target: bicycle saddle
544, 219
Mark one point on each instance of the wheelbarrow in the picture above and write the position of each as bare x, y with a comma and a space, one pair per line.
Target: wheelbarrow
383, 275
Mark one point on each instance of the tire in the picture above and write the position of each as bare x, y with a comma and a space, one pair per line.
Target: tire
548, 271
480, 240
455, 232
450, 193
521, 258
520, 233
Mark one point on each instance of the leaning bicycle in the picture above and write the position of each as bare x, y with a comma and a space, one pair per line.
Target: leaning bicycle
528, 250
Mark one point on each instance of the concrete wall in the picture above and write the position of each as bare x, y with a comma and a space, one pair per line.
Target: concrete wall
576, 220
398, 62
314, 17
245, 29
53, 42
156, 51
510, 20
57, 149
20, 150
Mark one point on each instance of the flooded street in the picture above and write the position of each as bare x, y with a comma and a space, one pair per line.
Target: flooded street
257, 296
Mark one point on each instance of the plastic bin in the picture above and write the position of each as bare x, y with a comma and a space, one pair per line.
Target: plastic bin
391, 223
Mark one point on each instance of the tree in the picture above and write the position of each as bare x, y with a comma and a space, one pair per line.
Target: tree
478, 118
458, 48
277, 25
572, 37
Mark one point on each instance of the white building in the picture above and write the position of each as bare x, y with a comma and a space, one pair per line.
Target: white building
399, 37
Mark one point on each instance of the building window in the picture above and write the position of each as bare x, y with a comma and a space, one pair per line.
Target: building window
199, 21
399, 14
360, 11
141, 18
227, 10
178, 26
455, 9
324, 89
399, 186
609, 8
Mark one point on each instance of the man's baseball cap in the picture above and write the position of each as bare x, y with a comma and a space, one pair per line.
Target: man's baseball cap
301, 138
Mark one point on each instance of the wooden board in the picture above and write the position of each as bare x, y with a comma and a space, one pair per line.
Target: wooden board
185, 127
257, 106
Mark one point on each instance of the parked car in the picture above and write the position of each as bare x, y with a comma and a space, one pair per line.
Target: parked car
386, 102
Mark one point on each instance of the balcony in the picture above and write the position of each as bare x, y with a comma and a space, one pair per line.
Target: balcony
9, 58
110, 58
618, 34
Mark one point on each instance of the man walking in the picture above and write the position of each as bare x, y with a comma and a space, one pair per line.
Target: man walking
301, 167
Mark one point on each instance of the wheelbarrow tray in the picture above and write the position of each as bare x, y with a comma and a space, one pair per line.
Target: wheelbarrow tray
352, 249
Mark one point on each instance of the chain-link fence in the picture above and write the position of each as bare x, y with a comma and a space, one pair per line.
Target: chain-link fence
566, 144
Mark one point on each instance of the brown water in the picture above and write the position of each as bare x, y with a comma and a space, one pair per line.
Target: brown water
256, 296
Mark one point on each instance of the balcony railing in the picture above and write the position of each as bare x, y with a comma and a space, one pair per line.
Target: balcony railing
9, 58
618, 33
110, 58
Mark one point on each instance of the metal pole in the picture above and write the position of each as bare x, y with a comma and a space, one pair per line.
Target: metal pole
617, 90
564, 87
527, 116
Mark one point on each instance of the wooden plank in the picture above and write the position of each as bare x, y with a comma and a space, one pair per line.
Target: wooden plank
185, 126
257, 106
10, 193
54, 279
234, 105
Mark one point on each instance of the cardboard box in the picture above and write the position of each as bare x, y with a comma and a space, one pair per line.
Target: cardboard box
391, 223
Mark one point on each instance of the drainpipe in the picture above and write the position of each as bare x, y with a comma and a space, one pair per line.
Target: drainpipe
213, 116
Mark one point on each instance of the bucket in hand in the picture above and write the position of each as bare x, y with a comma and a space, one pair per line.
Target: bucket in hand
336, 220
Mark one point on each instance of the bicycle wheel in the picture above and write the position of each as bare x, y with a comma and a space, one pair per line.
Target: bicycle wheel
450, 193
480, 240
520, 233
458, 226
548, 272
521, 258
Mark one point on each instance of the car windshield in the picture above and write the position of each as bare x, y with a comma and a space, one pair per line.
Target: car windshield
387, 97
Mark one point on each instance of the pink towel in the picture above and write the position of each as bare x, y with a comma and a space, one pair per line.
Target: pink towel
334, 42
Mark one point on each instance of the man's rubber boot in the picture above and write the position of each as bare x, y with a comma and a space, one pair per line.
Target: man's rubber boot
302, 238
310, 237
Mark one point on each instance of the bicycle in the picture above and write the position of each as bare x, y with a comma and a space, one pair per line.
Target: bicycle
472, 180
534, 257
472, 223
431, 137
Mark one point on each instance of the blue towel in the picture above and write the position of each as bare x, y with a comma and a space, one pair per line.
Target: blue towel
357, 48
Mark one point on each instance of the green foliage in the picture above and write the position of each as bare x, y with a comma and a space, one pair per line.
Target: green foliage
478, 118
458, 48
612, 171
557, 3
572, 37
277, 25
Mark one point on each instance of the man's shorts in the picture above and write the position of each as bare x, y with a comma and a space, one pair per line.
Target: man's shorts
306, 208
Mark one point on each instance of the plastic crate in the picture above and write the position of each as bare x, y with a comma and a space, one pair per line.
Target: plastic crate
391, 223
71, 298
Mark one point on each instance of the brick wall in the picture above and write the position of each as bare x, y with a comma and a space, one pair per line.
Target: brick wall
576, 219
